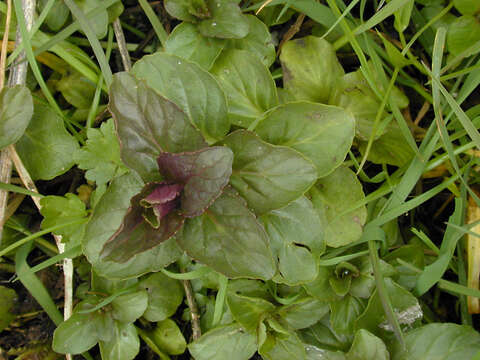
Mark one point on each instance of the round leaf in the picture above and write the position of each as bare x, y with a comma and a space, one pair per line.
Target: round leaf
322, 133
310, 68
124, 344
75, 335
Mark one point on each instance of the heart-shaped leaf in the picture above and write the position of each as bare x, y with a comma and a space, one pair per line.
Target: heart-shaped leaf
247, 99
228, 238
322, 133
148, 124
193, 89
203, 173
268, 176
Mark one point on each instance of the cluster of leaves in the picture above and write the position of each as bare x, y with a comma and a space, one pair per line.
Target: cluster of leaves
209, 167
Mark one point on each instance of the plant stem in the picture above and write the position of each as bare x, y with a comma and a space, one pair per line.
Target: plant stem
192, 304
122, 45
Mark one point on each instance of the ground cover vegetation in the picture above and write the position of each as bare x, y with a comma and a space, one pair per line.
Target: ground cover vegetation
225, 179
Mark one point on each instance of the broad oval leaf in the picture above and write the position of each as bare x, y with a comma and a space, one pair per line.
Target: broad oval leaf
46, 148
303, 313
124, 344
249, 311
168, 337
75, 335
105, 220
16, 110
462, 33
439, 341
164, 296
296, 235
230, 342
268, 176
467, 7
344, 312
258, 41
187, 42
334, 196
248, 84
367, 346
129, 307
310, 68
204, 173
286, 347
191, 88
148, 124
226, 20
322, 133
228, 238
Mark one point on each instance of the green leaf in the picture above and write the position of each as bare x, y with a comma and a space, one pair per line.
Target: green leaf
75, 335
204, 173
287, 348
100, 156
129, 307
268, 176
229, 239
148, 124
323, 336
99, 21
258, 41
168, 337
191, 88
230, 342
226, 20
8, 297
187, 42
124, 344
333, 196
187, 10
314, 353
355, 95
249, 311
164, 296
402, 16
439, 341
57, 16
467, 7
322, 133
247, 100
16, 110
310, 68
405, 305
391, 148
396, 57
463, 32
77, 89
46, 148
367, 346
105, 220
58, 210
321, 287
303, 313
344, 314
296, 235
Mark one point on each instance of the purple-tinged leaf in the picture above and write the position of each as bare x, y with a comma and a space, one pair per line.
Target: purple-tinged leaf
228, 238
142, 228
204, 173
148, 124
